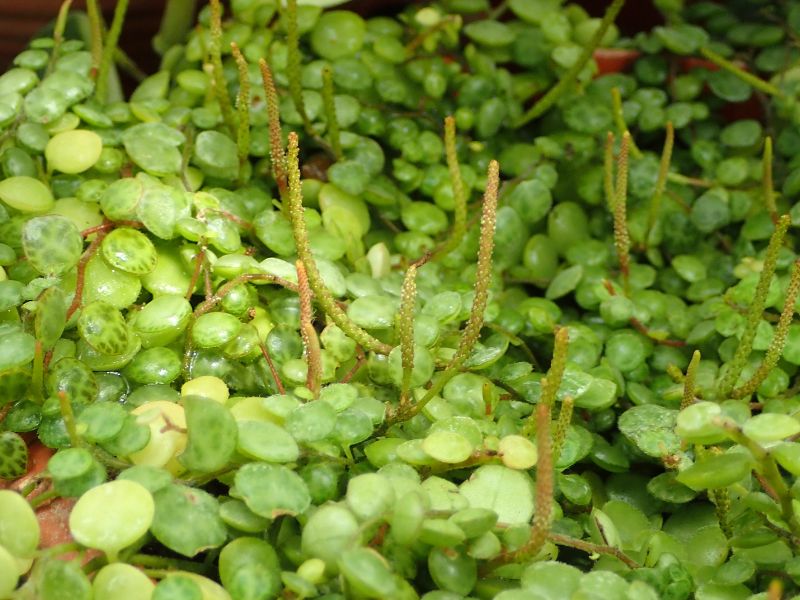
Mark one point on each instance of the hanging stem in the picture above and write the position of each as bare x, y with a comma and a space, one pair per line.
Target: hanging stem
560, 88
109, 50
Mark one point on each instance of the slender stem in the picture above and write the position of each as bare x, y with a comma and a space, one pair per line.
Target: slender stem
767, 188
457, 183
294, 62
81, 272
37, 375
272, 369
570, 542
96, 28
619, 120
731, 67
608, 171
176, 22
109, 49
69, 419
58, 34
560, 88
661, 182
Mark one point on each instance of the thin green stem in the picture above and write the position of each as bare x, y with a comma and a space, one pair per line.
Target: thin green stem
619, 120
176, 23
457, 183
755, 310
661, 182
37, 374
767, 188
552, 96
217, 71
731, 67
58, 34
552, 381
608, 171
69, 419
96, 33
329, 102
109, 49
321, 292
294, 63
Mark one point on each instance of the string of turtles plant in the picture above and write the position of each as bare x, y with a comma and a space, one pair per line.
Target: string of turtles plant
281, 314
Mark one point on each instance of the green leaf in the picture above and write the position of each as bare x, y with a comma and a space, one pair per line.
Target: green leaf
716, 471
212, 435
650, 427
51, 316
187, 520
507, 492
52, 244
272, 490
771, 427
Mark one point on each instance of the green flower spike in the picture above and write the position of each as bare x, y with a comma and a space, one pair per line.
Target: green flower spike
242, 109
307, 331
218, 72
328, 99
755, 311
405, 329
276, 153
768, 191
778, 340
294, 63
323, 295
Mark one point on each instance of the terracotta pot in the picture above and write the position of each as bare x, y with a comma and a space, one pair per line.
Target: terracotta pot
614, 60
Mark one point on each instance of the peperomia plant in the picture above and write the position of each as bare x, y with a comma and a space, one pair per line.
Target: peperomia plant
402, 306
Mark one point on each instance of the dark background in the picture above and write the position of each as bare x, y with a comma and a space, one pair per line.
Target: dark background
21, 19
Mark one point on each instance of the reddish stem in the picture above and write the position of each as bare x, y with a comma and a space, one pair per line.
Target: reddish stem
81, 272
272, 369
362, 358
199, 260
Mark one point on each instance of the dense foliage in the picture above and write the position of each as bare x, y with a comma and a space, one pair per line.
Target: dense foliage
401, 307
